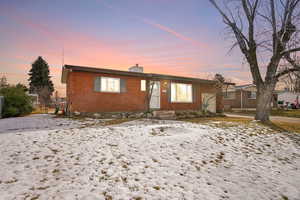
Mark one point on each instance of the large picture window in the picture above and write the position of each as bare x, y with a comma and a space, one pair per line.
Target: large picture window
181, 93
110, 84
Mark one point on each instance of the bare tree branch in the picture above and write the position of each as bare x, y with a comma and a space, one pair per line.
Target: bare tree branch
271, 25
290, 51
287, 71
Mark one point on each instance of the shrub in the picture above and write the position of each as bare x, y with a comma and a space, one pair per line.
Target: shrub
16, 102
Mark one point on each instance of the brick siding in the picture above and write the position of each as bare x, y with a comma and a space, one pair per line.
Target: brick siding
82, 97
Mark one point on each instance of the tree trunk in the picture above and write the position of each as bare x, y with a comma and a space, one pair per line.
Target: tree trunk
263, 103
149, 89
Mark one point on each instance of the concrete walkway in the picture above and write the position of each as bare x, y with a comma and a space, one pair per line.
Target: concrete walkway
273, 118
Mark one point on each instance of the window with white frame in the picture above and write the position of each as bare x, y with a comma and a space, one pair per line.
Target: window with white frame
143, 85
181, 92
252, 95
109, 84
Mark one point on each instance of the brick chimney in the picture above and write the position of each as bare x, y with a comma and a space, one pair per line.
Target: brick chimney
136, 68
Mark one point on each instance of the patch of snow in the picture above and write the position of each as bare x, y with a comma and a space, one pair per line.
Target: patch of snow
150, 159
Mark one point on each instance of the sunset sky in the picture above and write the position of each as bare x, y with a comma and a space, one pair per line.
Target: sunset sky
177, 37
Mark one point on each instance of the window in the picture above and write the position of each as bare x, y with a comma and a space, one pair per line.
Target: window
110, 84
181, 92
143, 85
229, 95
252, 95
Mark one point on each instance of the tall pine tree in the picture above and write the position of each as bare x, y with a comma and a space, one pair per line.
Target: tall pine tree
40, 80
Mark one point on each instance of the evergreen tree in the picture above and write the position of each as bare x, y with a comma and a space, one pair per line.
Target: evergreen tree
40, 80
24, 87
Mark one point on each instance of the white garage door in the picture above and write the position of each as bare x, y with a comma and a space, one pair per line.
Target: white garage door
209, 102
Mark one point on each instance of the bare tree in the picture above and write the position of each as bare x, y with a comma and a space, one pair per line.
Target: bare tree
266, 32
149, 89
297, 83
44, 96
206, 102
291, 81
3, 82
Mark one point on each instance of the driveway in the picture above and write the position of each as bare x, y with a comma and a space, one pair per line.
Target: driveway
272, 118
37, 122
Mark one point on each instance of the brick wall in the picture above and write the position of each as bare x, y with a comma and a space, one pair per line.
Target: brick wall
197, 100
82, 97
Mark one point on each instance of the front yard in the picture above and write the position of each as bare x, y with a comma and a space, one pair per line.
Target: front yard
149, 159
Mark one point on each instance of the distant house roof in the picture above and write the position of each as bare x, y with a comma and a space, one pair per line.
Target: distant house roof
239, 87
67, 68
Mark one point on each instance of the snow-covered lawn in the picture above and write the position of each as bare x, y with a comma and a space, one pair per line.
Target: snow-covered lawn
150, 159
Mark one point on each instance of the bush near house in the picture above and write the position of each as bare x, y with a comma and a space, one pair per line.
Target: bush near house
16, 101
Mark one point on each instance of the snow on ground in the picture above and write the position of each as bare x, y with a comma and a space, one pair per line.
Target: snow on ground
41, 121
150, 159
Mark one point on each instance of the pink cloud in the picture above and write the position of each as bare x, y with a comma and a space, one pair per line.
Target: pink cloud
88, 50
161, 27
174, 33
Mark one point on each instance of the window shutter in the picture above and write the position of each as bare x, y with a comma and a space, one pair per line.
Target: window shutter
194, 89
123, 85
97, 84
169, 92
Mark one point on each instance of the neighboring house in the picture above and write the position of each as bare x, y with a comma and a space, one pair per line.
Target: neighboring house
34, 99
242, 97
58, 100
288, 97
106, 90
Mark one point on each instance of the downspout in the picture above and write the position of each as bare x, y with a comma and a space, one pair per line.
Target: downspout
241, 99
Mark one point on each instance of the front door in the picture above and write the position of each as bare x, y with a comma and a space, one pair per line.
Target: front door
155, 96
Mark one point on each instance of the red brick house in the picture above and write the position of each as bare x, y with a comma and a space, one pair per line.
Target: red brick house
242, 97
105, 90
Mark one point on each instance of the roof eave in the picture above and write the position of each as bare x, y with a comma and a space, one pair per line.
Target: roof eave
135, 74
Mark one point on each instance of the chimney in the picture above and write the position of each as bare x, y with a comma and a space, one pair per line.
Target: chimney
136, 68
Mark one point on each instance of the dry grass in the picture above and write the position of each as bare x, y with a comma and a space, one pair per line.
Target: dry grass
223, 122
117, 121
43, 111
219, 119
275, 112
233, 121
285, 126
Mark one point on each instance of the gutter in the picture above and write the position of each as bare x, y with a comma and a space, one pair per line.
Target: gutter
241, 99
67, 68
